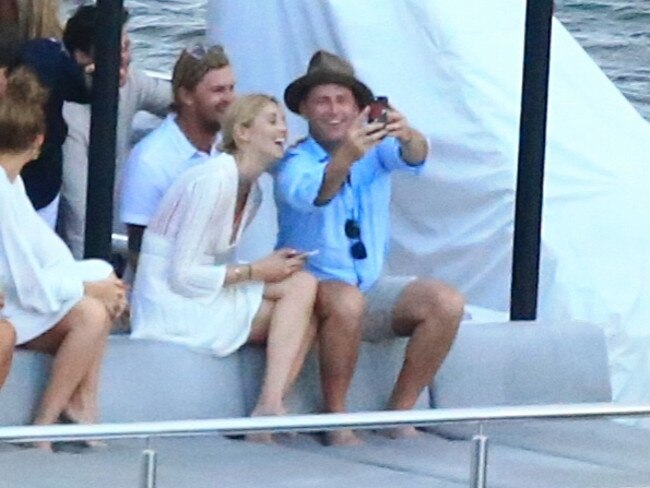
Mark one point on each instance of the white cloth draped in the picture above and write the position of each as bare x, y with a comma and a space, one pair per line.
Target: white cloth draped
454, 69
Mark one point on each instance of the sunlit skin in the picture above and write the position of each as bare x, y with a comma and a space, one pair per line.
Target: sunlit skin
331, 110
212, 97
267, 134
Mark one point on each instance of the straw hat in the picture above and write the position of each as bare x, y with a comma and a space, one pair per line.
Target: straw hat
325, 68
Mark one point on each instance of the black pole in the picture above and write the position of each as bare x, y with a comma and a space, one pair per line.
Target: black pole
530, 176
103, 122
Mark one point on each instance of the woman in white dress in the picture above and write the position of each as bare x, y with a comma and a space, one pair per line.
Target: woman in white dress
189, 288
56, 305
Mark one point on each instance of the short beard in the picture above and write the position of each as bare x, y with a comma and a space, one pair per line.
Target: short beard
211, 126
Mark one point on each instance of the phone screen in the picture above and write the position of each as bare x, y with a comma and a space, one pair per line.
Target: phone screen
378, 110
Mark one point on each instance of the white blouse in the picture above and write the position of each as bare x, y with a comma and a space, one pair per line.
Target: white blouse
179, 292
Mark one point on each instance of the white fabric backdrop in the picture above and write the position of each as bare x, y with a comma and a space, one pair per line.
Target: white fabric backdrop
454, 68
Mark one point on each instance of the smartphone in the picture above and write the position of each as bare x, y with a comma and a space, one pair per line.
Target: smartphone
378, 110
306, 254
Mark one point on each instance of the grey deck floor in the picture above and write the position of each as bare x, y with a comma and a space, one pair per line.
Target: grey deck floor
428, 461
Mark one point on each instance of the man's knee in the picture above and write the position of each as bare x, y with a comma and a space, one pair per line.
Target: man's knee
341, 303
427, 299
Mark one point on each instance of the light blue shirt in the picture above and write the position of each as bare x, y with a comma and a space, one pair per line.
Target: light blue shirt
153, 165
365, 197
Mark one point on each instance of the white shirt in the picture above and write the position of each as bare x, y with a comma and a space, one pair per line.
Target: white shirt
153, 165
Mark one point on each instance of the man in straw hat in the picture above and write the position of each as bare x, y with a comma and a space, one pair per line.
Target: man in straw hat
333, 193
203, 84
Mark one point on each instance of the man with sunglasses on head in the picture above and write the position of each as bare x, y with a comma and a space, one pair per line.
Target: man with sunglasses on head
332, 190
203, 84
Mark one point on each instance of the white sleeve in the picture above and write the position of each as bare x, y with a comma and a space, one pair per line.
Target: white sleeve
203, 219
141, 189
154, 95
75, 176
38, 261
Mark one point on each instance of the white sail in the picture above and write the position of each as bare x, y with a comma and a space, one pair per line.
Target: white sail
454, 68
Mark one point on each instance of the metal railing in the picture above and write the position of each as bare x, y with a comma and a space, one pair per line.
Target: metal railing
322, 422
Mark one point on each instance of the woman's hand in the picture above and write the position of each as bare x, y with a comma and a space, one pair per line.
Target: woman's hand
111, 292
278, 266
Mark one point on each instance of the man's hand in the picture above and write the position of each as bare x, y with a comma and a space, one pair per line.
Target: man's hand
414, 144
360, 138
278, 266
397, 126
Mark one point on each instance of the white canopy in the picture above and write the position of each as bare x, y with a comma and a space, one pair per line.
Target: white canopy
454, 69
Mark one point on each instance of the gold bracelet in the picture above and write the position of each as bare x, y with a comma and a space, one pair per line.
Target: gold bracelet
250, 272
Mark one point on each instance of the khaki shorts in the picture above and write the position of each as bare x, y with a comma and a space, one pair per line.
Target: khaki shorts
380, 302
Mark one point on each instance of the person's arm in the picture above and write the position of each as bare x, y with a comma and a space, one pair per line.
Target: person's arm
134, 233
201, 213
154, 95
139, 197
360, 138
413, 144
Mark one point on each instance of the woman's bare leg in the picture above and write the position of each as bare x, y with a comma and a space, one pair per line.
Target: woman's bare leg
7, 344
289, 323
306, 345
76, 340
285, 320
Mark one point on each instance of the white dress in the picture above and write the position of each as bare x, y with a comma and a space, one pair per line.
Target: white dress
179, 293
40, 278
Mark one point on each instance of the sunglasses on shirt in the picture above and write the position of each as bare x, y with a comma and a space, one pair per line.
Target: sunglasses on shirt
353, 231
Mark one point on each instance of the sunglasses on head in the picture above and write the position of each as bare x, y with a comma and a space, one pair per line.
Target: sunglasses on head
353, 231
199, 51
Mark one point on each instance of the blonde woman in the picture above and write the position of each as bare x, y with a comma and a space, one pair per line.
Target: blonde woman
55, 304
38, 19
190, 288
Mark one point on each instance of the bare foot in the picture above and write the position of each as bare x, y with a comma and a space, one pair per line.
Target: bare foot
262, 411
404, 432
67, 417
261, 438
343, 437
44, 446
80, 410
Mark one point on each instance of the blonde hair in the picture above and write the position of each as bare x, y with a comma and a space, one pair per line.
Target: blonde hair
21, 111
192, 65
39, 19
242, 112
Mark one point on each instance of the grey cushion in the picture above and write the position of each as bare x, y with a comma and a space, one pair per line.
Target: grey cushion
148, 380
20, 394
520, 363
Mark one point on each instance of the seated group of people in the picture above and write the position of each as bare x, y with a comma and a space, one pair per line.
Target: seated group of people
188, 191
